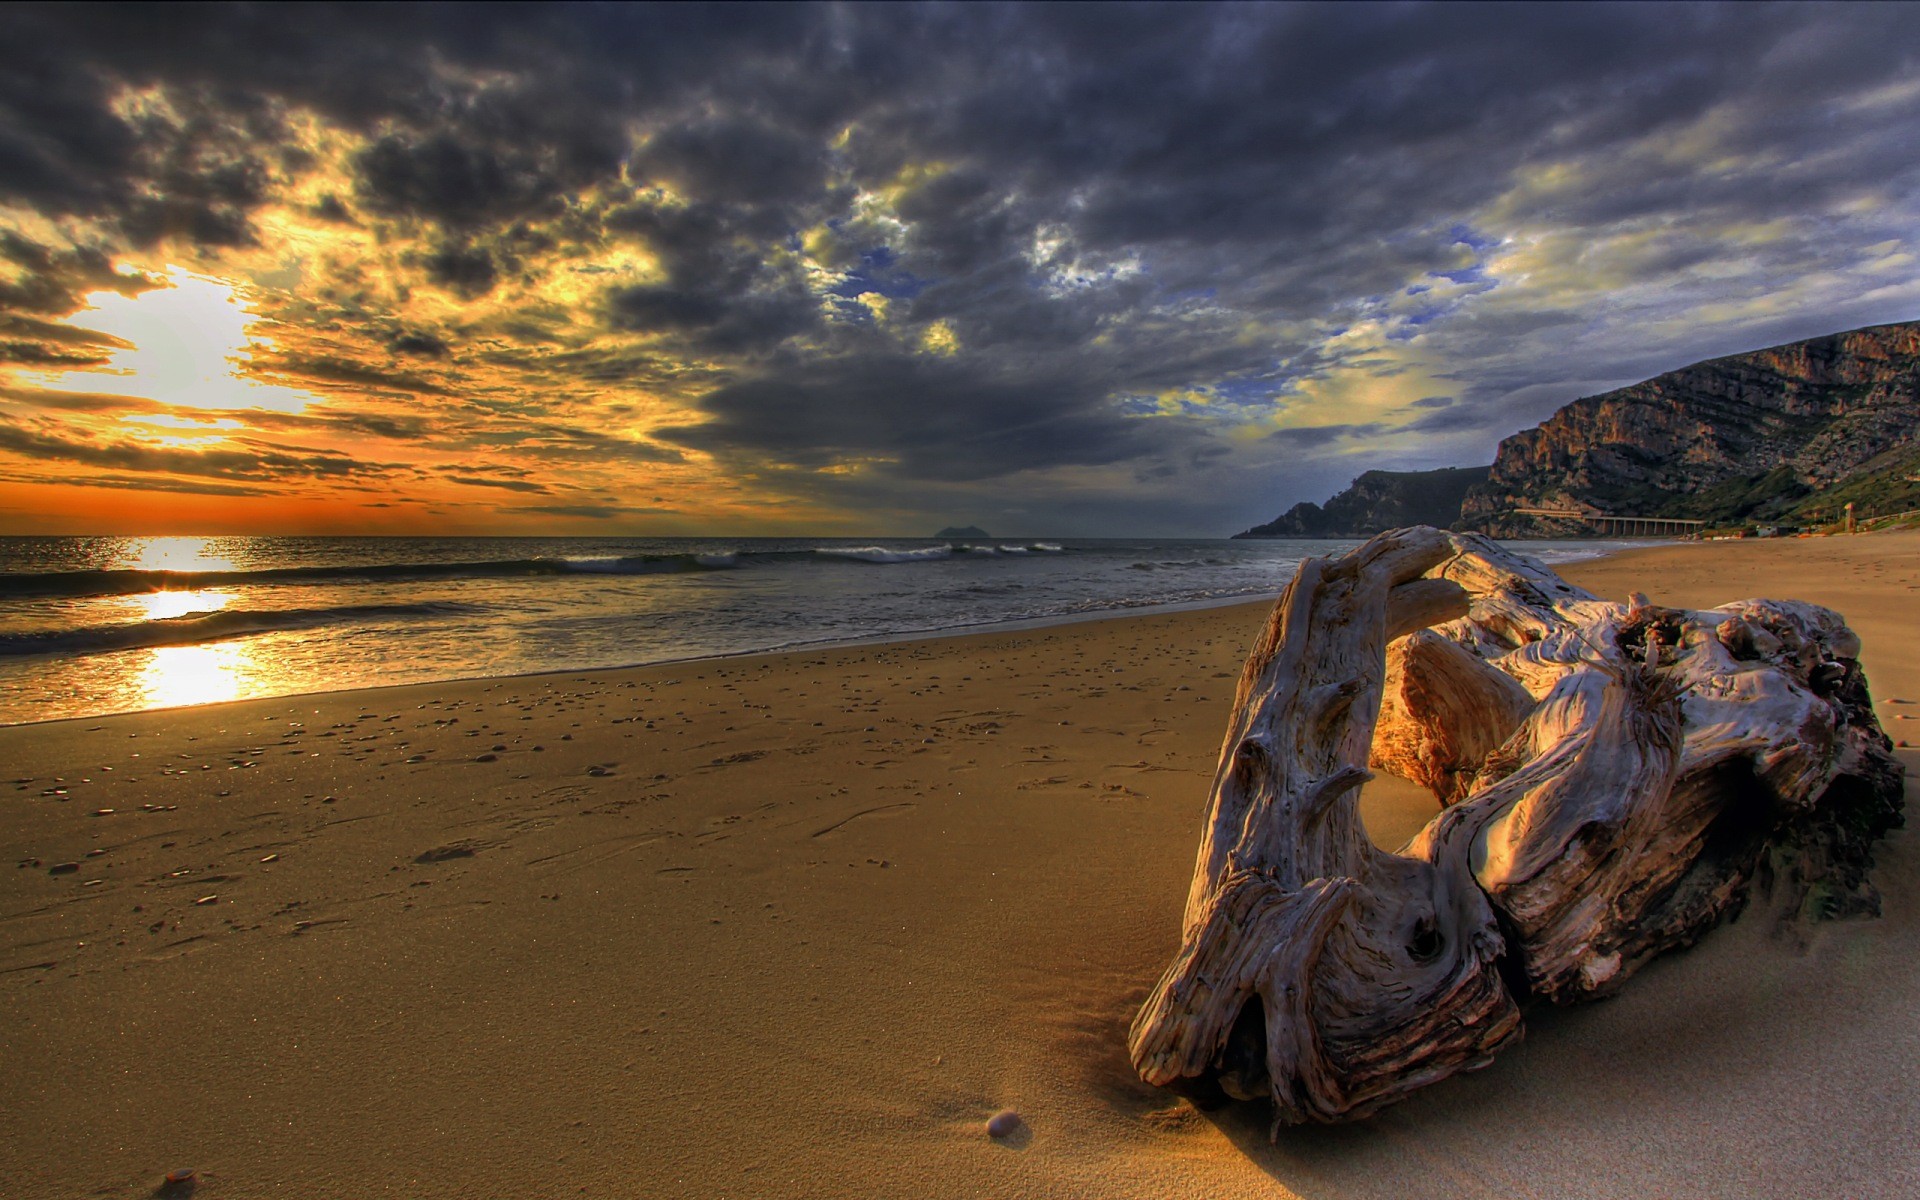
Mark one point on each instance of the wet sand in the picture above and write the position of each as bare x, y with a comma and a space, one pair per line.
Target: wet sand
796, 925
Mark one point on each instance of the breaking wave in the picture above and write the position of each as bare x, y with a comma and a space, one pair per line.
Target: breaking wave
132, 581
194, 628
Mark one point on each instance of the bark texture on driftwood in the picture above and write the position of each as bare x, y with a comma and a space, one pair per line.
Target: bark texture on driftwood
1616, 777
1445, 710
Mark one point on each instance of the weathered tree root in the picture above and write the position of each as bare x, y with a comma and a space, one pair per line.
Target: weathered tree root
1616, 778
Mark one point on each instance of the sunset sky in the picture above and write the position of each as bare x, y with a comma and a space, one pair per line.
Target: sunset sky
879, 269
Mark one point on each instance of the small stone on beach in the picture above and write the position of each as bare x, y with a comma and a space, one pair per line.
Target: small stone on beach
1003, 1123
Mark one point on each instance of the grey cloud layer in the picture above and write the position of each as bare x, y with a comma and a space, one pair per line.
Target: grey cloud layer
1098, 203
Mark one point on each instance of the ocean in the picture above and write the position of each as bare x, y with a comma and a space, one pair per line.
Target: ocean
97, 625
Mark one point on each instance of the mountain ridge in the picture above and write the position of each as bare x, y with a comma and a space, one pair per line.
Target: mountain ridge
1786, 434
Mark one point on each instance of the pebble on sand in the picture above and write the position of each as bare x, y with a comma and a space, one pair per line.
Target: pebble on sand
1003, 1123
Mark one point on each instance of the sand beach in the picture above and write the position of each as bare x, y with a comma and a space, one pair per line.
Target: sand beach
798, 924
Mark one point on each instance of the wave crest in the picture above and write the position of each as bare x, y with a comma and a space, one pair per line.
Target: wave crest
194, 628
880, 554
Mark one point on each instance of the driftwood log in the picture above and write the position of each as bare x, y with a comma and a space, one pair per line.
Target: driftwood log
1616, 778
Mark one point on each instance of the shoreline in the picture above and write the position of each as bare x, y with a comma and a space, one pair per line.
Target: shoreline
796, 924
1120, 612
959, 631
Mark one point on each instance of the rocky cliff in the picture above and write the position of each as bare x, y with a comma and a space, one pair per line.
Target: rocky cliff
1376, 501
1784, 433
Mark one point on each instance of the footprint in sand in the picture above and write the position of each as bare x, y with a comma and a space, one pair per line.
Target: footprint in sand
865, 812
448, 852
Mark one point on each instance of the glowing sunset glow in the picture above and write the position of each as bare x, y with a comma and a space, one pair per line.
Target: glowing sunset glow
187, 346
816, 270
173, 421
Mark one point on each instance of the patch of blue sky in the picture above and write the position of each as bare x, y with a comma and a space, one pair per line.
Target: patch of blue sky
1427, 306
1477, 273
1137, 404
1468, 236
1408, 326
1242, 391
1080, 277
875, 273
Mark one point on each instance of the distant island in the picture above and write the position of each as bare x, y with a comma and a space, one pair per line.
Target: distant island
963, 531
1786, 436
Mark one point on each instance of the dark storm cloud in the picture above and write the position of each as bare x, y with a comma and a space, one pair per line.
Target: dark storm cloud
937, 418
1313, 437
715, 319
474, 116
738, 161
1462, 417
721, 292
454, 180
469, 270
1191, 125
422, 345
1068, 209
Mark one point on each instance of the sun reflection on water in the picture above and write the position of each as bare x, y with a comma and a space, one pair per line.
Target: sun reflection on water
180, 675
176, 554
174, 676
162, 606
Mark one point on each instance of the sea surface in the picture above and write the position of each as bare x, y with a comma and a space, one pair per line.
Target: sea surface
95, 625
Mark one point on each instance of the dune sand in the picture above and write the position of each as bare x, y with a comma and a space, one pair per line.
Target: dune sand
797, 925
